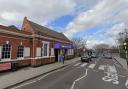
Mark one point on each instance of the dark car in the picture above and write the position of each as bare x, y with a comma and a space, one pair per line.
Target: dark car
107, 55
85, 57
94, 55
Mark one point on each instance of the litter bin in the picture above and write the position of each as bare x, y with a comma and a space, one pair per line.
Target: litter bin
14, 66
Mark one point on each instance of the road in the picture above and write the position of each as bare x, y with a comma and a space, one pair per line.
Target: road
99, 74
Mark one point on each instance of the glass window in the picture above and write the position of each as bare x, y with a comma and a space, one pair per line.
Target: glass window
45, 49
20, 52
42, 52
6, 51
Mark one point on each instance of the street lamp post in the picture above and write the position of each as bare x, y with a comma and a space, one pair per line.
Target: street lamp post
126, 52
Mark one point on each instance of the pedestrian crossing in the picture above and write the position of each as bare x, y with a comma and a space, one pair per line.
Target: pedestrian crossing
79, 65
91, 66
83, 65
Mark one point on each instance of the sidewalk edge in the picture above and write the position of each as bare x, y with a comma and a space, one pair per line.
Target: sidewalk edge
120, 64
35, 77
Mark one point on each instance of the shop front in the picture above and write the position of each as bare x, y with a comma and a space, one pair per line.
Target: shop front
65, 49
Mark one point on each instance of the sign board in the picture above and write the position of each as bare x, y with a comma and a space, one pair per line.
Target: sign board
5, 66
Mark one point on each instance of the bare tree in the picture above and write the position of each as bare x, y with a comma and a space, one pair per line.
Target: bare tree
122, 37
79, 44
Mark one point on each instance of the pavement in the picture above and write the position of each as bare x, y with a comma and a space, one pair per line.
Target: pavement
9, 79
121, 61
100, 73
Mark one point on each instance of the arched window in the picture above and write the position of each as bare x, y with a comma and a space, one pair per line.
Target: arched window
20, 52
6, 51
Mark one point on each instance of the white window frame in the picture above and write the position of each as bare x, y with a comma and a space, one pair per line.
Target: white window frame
23, 53
45, 42
6, 59
70, 51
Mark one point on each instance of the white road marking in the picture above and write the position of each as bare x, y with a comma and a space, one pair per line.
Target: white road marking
112, 75
126, 84
77, 64
101, 67
83, 65
95, 70
91, 66
79, 79
121, 75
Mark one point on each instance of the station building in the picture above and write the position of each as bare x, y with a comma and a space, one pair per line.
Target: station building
33, 45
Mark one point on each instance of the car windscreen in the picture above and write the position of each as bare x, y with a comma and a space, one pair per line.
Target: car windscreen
84, 54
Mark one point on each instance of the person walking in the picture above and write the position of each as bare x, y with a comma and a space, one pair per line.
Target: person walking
63, 58
59, 57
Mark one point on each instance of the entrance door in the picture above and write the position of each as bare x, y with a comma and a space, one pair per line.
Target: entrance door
56, 54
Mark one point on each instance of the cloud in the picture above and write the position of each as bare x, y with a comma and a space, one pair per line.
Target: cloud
106, 11
106, 36
41, 11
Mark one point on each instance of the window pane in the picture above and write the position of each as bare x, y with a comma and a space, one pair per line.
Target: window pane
45, 49
20, 51
6, 51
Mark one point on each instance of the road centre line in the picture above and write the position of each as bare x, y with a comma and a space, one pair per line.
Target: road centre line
79, 79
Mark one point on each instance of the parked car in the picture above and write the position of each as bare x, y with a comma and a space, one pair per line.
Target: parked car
85, 57
107, 55
94, 55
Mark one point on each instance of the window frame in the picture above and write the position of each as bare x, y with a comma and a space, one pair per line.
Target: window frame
45, 42
6, 59
23, 52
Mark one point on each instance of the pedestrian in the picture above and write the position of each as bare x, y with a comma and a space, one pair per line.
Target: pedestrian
59, 57
63, 59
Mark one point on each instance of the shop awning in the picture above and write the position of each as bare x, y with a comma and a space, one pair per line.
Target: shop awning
59, 46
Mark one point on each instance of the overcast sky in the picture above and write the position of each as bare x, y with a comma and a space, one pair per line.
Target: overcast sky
99, 21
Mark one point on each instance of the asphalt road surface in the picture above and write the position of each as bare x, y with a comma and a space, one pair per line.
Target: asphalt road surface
99, 74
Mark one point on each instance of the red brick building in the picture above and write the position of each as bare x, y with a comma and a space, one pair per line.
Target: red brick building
32, 45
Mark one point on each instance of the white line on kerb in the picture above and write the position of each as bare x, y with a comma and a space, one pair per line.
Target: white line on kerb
79, 79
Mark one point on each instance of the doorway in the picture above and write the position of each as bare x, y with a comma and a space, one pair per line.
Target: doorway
57, 51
